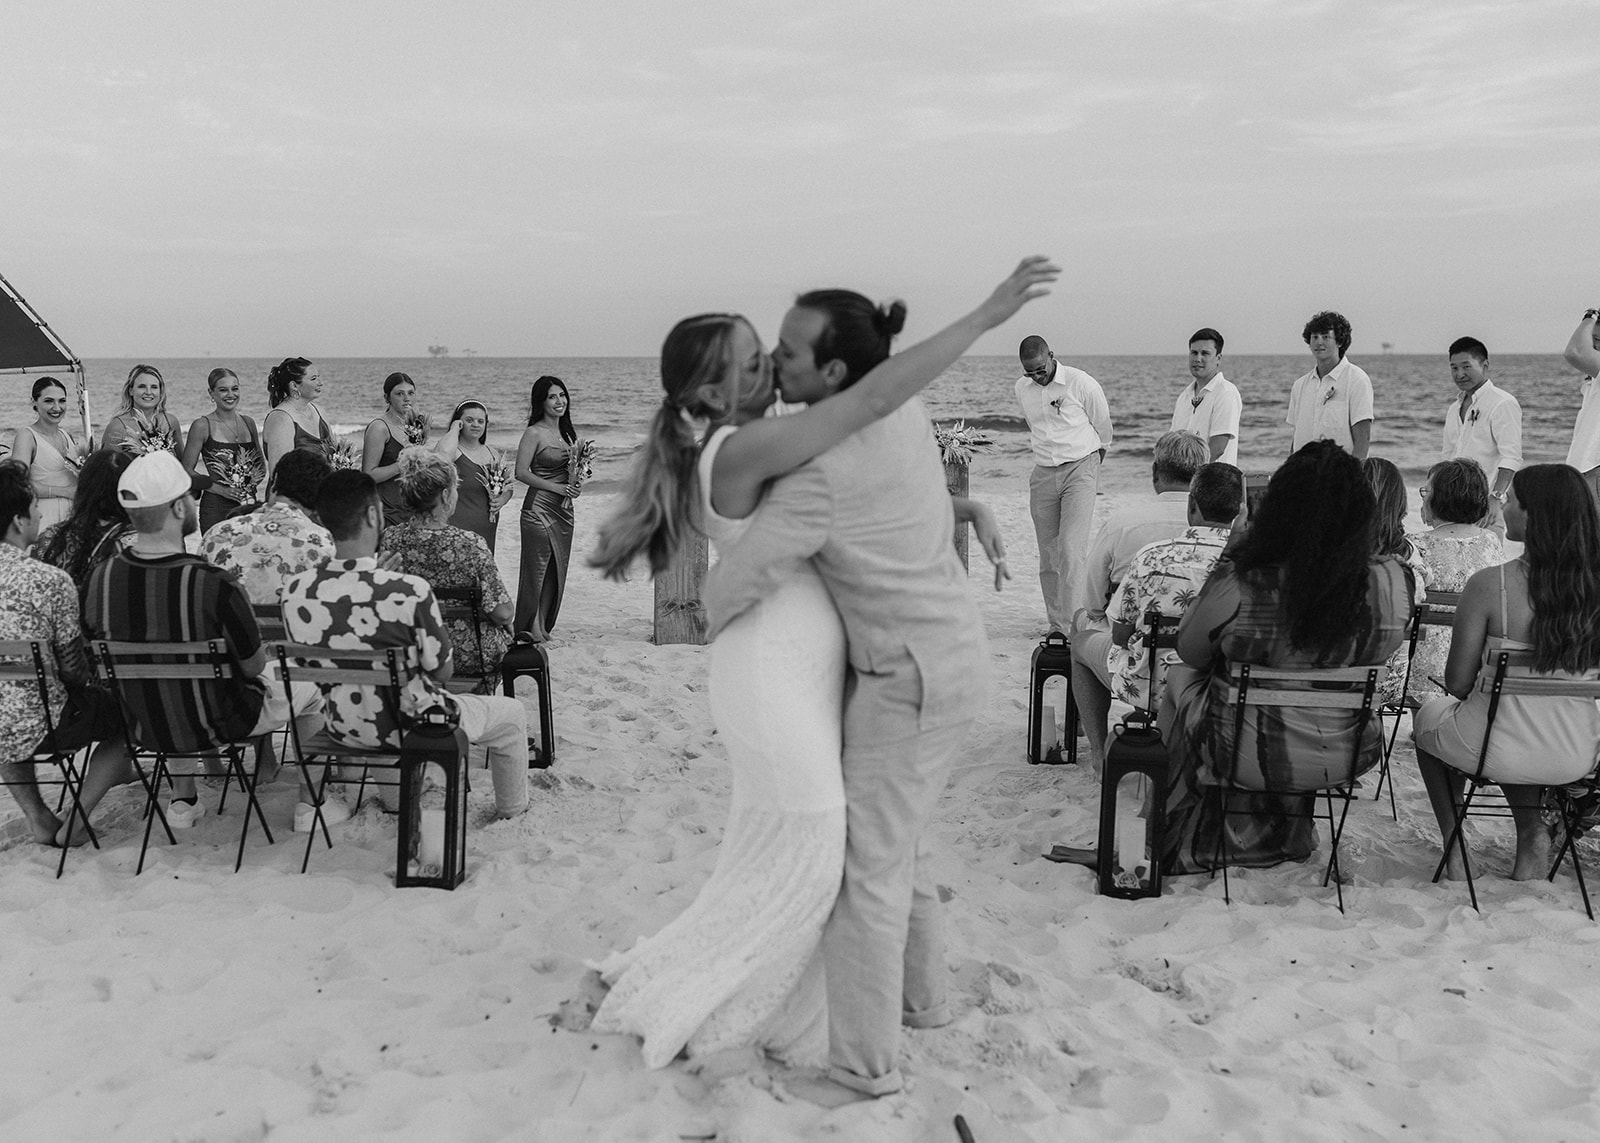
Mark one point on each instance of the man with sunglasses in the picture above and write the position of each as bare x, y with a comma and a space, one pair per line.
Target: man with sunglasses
1070, 425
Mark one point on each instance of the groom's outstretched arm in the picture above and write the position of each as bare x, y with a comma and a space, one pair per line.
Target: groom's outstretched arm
791, 524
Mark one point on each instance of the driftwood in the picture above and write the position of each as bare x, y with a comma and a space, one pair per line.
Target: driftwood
680, 615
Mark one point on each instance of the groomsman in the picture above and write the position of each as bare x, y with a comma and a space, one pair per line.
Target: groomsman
1583, 354
1334, 401
1210, 405
1484, 425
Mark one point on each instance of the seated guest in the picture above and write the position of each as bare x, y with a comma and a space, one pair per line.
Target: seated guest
1544, 602
1302, 590
156, 592
264, 549
40, 602
1389, 539
352, 602
1455, 499
428, 545
1165, 576
1159, 517
97, 526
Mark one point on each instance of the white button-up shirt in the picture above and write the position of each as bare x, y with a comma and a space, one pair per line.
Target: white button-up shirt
1491, 434
1585, 451
1216, 414
1068, 418
1324, 408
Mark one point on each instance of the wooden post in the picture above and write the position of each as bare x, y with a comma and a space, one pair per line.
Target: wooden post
956, 475
680, 616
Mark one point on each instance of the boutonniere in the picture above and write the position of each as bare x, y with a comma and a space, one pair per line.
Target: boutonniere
1056, 404
1328, 396
1472, 417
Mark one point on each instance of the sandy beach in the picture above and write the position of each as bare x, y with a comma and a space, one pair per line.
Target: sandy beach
193, 1003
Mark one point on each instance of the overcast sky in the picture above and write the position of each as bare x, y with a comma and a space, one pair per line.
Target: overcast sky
569, 177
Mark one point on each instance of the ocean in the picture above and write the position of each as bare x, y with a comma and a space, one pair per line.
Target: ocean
614, 397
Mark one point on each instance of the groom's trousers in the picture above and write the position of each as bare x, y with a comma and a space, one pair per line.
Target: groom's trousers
884, 944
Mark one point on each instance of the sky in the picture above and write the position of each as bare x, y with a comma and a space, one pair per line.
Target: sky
570, 177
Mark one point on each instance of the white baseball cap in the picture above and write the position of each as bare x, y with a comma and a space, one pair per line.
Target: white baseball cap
152, 480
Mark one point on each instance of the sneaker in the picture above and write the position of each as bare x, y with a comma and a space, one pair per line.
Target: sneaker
183, 815
333, 812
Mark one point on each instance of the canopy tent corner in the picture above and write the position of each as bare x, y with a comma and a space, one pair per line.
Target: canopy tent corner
29, 345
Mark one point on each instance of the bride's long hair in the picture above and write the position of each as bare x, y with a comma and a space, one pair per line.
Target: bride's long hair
658, 502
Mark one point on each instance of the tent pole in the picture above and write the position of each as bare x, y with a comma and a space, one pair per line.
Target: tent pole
83, 406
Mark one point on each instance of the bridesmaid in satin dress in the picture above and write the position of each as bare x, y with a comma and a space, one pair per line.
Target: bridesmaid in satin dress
546, 510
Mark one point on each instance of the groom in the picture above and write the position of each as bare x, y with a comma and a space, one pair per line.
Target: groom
873, 516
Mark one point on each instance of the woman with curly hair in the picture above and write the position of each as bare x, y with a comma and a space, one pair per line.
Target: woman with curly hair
1547, 601
1302, 590
143, 424
293, 386
428, 545
98, 526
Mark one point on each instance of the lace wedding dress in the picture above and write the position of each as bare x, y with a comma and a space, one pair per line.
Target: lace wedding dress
740, 965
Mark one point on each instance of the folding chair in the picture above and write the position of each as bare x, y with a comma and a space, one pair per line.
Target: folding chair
522, 660
1334, 688
124, 663
1513, 674
388, 671
1438, 609
465, 605
22, 661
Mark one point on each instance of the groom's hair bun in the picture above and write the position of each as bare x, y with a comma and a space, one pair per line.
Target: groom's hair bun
857, 332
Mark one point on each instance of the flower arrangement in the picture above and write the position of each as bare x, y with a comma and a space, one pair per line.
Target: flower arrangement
957, 442
152, 439
497, 476
580, 462
416, 426
344, 452
241, 476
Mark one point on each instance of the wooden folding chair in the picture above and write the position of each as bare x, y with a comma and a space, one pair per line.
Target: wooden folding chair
387, 670
122, 663
22, 661
1513, 674
1438, 609
1333, 688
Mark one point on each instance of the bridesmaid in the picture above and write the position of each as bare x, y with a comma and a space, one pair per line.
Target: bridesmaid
293, 387
223, 441
547, 510
466, 445
385, 437
50, 453
143, 414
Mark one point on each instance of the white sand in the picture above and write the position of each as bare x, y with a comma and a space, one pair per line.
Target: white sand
195, 1004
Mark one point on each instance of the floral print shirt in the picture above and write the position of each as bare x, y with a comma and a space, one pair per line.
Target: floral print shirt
267, 548
1166, 575
454, 557
40, 602
356, 605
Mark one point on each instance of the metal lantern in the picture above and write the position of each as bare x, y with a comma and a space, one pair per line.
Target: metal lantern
1133, 805
1052, 658
446, 746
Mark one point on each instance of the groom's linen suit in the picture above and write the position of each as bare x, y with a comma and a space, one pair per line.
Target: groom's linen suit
874, 517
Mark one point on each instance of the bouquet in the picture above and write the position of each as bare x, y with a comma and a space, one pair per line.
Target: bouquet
416, 426
580, 462
151, 439
497, 477
957, 442
344, 452
239, 477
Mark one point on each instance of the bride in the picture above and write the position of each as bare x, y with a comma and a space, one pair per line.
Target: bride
737, 967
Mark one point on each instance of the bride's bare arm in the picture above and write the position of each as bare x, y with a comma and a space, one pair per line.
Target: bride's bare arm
763, 449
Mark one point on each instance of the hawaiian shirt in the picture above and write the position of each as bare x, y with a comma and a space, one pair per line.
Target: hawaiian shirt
1165, 575
454, 557
357, 605
266, 548
37, 601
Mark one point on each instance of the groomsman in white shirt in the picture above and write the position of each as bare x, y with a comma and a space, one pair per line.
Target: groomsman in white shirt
1334, 401
1583, 354
1484, 425
1070, 426
1210, 405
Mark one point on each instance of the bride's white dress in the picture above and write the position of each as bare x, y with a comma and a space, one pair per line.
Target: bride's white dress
740, 965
